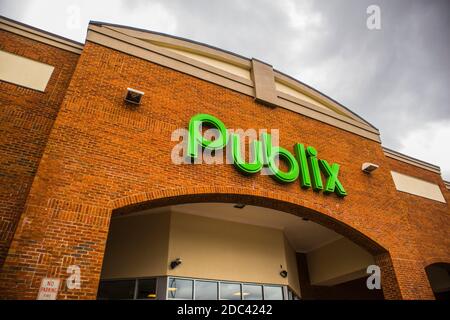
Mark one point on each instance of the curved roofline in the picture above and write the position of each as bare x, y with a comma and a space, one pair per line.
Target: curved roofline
101, 23
326, 96
41, 30
242, 85
411, 160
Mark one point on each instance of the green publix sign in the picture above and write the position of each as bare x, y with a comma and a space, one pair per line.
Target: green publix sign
304, 165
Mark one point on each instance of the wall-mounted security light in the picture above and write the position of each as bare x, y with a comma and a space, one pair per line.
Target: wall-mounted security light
368, 167
175, 263
134, 96
283, 273
239, 206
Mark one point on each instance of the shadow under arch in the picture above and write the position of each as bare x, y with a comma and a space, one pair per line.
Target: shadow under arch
297, 206
438, 274
267, 199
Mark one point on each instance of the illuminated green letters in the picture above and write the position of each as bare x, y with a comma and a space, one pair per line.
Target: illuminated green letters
333, 184
271, 154
248, 168
305, 165
305, 180
196, 138
311, 154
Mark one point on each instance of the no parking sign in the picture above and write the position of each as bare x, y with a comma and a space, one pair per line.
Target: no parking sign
49, 289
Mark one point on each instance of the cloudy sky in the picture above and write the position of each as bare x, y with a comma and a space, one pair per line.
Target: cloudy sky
397, 77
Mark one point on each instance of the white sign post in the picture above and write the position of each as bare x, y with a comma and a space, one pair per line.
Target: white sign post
49, 289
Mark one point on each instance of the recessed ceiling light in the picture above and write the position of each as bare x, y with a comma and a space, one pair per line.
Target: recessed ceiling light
243, 293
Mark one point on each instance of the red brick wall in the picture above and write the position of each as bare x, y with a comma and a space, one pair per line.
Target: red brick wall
350, 290
102, 156
429, 219
26, 118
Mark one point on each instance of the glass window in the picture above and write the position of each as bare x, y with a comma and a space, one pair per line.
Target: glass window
230, 291
252, 292
290, 295
116, 289
180, 289
146, 289
273, 293
205, 290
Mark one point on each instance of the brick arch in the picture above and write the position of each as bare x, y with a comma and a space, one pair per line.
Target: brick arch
274, 200
434, 260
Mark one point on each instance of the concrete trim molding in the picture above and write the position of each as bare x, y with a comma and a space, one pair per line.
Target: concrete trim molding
124, 40
166, 40
319, 96
447, 184
161, 56
229, 57
232, 58
264, 83
40, 35
325, 112
410, 160
166, 53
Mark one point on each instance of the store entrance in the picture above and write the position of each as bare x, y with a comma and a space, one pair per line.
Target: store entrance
230, 251
439, 277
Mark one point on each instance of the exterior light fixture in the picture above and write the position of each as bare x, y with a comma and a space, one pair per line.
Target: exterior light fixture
239, 206
134, 96
368, 167
283, 273
175, 263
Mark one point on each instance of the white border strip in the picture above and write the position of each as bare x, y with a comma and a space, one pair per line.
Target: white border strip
40, 36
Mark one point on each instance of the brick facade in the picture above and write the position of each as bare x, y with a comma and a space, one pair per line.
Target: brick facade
26, 118
102, 156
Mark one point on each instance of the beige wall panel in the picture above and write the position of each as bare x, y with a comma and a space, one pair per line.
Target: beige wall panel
241, 72
24, 72
137, 246
297, 94
215, 249
337, 262
291, 265
417, 187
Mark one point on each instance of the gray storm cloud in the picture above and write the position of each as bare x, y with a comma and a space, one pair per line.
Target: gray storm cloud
398, 78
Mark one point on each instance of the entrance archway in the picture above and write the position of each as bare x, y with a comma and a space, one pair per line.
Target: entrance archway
265, 199
438, 274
